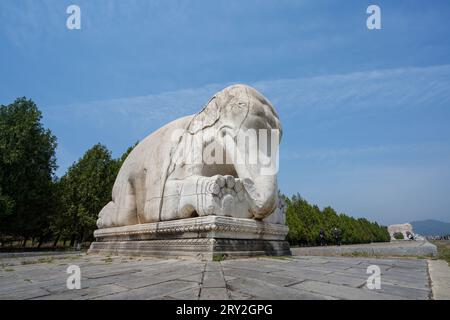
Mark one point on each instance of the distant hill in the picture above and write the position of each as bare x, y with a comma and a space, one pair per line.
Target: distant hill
431, 227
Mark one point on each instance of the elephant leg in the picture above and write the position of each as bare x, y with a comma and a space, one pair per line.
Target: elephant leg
127, 210
120, 213
279, 215
106, 215
217, 195
170, 208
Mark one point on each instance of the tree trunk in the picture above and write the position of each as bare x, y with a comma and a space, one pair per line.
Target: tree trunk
72, 240
56, 240
41, 240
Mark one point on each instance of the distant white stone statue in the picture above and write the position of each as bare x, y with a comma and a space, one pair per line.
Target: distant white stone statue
220, 162
406, 229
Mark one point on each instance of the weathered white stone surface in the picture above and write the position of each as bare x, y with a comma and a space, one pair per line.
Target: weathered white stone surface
201, 186
194, 228
203, 238
176, 173
400, 228
295, 277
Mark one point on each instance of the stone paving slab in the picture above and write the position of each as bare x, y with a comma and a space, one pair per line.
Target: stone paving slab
440, 276
296, 277
213, 294
343, 292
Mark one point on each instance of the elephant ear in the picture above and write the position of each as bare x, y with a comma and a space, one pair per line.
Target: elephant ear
217, 106
206, 117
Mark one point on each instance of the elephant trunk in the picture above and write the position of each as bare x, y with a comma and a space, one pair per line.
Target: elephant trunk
262, 192
261, 185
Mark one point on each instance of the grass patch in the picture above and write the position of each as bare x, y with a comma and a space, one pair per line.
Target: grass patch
219, 257
74, 257
46, 260
382, 256
357, 254
9, 270
279, 257
443, 247
40, 260
108, 260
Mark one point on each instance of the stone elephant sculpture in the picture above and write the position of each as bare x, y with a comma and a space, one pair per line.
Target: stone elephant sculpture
171, 173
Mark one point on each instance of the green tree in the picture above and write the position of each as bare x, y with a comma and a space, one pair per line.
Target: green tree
399, 236
6, 205
305, 222
82, 193
84, 190
27, 165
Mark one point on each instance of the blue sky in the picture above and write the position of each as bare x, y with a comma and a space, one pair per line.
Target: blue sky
365, 112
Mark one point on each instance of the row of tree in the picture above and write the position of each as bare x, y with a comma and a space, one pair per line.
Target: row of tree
36, 205
27, 165
82, 192
306, 222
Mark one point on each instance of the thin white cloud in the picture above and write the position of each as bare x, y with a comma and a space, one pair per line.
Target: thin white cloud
375, 150
23, 20
150, 108
389, 88
405, 87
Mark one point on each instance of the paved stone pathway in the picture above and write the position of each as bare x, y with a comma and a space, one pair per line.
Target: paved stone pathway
296, 277
440, 277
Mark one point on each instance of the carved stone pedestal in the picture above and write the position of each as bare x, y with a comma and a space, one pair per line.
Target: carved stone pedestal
203, 238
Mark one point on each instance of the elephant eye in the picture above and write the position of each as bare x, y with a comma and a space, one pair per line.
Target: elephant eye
224, 130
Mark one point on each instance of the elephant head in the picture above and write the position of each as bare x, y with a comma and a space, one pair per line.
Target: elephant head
246, 126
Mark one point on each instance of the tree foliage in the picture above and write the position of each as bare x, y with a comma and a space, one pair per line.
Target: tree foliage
84, 190
27, 165
398, 236
305, 222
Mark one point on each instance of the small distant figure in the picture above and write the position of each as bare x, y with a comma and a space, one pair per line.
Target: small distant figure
322, 237
337, 236
409, 235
